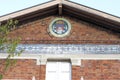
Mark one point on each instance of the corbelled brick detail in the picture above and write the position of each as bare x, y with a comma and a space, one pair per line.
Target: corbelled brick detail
90, 70
36, 32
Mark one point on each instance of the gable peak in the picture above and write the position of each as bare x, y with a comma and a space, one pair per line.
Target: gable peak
60, 0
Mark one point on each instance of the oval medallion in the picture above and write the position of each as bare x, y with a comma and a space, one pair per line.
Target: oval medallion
59, 27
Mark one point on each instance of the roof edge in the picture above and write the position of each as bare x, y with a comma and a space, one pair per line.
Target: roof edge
92, 11
28, 10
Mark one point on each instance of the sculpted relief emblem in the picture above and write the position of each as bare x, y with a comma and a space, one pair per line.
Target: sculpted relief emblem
59, 27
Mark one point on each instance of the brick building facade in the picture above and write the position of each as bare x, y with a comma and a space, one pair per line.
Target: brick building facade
91, 50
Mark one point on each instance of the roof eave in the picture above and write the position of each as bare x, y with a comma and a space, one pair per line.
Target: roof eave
91, 15
28, 11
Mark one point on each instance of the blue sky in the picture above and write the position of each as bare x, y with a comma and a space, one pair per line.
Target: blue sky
109, 6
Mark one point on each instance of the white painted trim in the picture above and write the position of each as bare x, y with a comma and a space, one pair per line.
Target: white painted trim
33, 78
76, 62
27, 11
83, 56
75, 58
23, 56
82, 78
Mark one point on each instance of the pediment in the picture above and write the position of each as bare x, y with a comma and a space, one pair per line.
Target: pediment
37, 32
88, 25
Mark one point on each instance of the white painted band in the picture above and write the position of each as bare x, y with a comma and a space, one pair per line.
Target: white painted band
75, 58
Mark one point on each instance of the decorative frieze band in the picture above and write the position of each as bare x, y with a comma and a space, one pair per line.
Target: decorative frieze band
69, 49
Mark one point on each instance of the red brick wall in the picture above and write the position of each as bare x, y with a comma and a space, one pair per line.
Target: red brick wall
101, 69
24, 69
90, 70
82, 32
